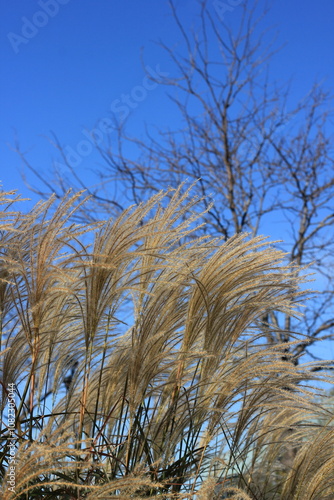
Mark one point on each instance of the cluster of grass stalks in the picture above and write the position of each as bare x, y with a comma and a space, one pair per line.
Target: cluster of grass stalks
141, 361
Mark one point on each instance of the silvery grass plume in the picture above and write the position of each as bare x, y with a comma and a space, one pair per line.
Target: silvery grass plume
142, 364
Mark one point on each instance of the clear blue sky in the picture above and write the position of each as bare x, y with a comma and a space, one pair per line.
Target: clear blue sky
64, 74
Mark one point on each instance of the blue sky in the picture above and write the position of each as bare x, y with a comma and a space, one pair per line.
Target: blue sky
66, 74
66, 62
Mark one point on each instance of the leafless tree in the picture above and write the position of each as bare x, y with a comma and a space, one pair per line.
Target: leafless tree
268, 169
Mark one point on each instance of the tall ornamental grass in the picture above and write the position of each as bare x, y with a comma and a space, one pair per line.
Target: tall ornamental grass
143, 362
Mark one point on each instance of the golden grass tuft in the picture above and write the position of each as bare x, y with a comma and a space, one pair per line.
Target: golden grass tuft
142, 363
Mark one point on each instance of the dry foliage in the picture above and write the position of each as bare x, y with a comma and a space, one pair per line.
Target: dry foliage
141, 365
266, 160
